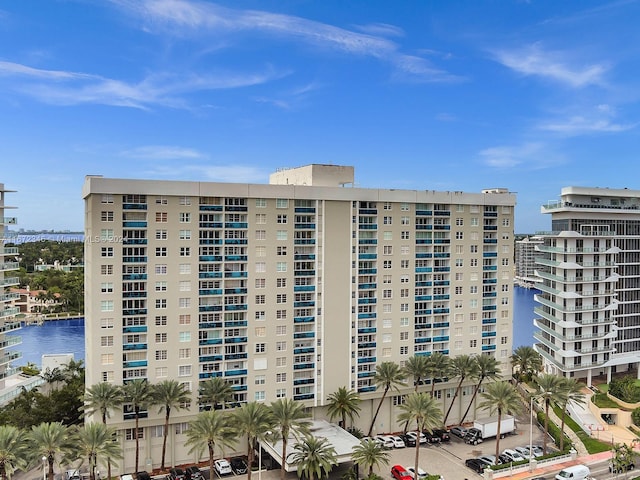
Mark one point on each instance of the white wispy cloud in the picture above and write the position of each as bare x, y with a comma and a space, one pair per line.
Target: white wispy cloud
211, 173
534, 60
183, 18
599, 119
162, 152
510, 156
72, 88
382, 29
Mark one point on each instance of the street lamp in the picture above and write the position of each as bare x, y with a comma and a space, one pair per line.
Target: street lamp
44, 468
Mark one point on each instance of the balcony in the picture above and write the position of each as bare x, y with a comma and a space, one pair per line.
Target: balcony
134, 346
235, 340
367, 360
235, 275
9, 326
235, 373
303, 319
205, 375
210, 291
304, 335
210, 275
135, 364
304, 396
235, 225
234, 308
210, 358
7, 266
364, 301
367, 286
210, 341
304, 288
305, 226
135, 329
9, 281
134, 224
304, 366
367, 241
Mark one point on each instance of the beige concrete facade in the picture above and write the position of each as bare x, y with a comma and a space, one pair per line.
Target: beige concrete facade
289, 290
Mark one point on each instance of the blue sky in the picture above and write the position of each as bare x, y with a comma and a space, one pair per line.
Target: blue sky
445, 95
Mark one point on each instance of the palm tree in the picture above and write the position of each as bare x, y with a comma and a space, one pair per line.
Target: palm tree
417, 367
571, 392
525, 362
48, 440
424, 410
315, 457
501, 397
253, 420
388, 375
291, 417
103, 397
215, 392
488, 368
550, 389
370, 454
343, 403
139, 394
169, 394
462, 366
438, 368
14, 449
208, 429
94, 441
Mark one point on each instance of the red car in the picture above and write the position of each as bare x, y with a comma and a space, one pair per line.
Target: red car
400, 473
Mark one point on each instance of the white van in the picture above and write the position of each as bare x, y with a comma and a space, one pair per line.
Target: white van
576, 472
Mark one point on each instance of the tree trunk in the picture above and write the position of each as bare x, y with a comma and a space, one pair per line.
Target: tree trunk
475, 392
250, 457
564, 409
285, 436
455, 395
165, 434
498, 434
373, 421
546, 426
211, 453
135, 436
417, 453
50, 461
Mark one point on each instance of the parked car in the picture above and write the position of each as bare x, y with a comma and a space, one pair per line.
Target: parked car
431, 437
238, 465
222, 466
524, 451
421, 473
459, 432
512, 455
385, 441
400, 473
443, 434
414, 435
192, 473
177, 474
397, 441
409, 441
622, 467
473, 436
475, 464
489, 459
143, 475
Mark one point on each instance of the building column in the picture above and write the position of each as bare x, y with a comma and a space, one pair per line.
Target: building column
608, 374
589, 378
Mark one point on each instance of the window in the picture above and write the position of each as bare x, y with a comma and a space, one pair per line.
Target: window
161, 337
260, 379
281, 346
404, 307
404, 321
161, 355
459, 221
281, 377
261, 218
106, 323
386, 206
281, 282
261, 234
161, 217
386, 279
106, 287
261, 267
473, 248
282, 203
282, 235
281, 361
282, 218
185, 201
506, 222
405, 221
106, 251
184, 319
404, 335
404, 278
184, 217
386, 338
281, 266
260, 315
161, 286
184, 285
281, 330
184, 336
404, 250
281, 314
260, 282
106, 306
386, 264
106, 341
281, 393
459, 235
161, 320
386, 352
281, 298
129, 433
404, 350
161, 200
259, 396
261, 332
281, 250
387, 250
260, 299
387, 220
106, 198
106, 216
387, 236
261, 202
386, 293
161, 251
261, 251
161, 303
184, 235
404, 235
184, 370
473, 343
473, 262
404, 207
386, 308
404, 264
161, 234
106, 269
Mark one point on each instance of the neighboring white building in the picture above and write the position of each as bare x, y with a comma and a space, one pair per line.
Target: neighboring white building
526, 254
289, 289
589, 309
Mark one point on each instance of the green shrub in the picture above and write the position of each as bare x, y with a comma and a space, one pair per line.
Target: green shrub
635, 416
625, 389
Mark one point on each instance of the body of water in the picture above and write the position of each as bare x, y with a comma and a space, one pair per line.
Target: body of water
67, 336
54, 336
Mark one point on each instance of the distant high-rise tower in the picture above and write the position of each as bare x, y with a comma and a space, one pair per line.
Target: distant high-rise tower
589, 309
526, 253
8, 313
291, 289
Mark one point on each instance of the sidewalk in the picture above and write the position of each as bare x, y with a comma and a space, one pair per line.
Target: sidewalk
586, 459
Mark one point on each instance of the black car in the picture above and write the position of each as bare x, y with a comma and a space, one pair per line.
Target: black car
193, 473
177, 474
443, 434
622, 467
431, 437
408, 440
475, 464
143, 475
238, 465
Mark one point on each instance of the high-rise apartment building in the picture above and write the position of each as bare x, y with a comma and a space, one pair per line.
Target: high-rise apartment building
589, 309
289, 289
8, 322
526, 253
